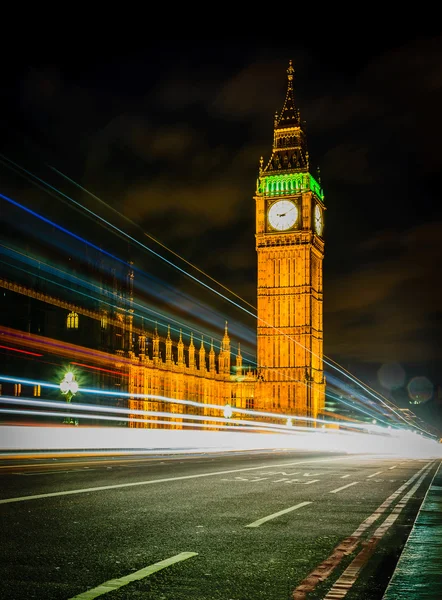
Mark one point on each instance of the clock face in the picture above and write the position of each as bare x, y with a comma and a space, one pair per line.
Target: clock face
282, 215
319, 223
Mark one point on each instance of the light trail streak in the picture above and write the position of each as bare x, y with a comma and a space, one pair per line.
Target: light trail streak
328, 394
300, 418
239, 424
158, 398
354, 393
99, 369
91, 286
175, 416
111, 358
325, 360
148, 235
340, 369
21, 351
62, 348
68, 348
114, 306
358, 408
117, 229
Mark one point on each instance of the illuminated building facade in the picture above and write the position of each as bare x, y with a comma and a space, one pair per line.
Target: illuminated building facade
191, 372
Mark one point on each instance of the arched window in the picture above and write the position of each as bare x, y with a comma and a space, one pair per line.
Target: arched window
72, 320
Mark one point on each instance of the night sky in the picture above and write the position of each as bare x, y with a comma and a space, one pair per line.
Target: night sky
171, 134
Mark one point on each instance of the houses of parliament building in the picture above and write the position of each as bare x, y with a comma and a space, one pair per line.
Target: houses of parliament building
149, 368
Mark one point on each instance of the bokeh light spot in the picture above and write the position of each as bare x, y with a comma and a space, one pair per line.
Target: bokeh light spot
420, 389
391, 376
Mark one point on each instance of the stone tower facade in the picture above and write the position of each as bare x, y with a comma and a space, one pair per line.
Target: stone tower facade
290, 250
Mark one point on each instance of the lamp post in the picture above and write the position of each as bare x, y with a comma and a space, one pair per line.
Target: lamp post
69, 387
228, 412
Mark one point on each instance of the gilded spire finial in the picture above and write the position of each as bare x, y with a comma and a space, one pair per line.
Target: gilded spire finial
290, 71
181, 335
168, 332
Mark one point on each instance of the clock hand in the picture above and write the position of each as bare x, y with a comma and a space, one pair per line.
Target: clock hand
287, 212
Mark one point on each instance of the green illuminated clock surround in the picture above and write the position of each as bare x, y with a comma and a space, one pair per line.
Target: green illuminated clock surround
282, 215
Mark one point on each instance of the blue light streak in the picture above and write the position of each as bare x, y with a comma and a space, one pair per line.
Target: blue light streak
330, 363
154, 397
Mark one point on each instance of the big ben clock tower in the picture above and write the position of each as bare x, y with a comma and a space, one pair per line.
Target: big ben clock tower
290, 248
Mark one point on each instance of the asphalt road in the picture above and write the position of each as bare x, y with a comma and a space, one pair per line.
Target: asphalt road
233, 526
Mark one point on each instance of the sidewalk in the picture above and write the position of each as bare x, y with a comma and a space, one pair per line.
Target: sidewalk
418, 574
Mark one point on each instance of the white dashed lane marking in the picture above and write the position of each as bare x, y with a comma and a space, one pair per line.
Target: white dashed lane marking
374, 474
277, 514
115, 584
343, 487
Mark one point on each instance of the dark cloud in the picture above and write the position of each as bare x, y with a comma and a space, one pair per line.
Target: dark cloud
387, 308
171, 138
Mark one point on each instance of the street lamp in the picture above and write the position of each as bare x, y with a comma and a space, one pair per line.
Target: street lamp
69, 387
228, 412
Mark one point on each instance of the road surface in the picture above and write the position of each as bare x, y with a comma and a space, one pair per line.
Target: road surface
221, 526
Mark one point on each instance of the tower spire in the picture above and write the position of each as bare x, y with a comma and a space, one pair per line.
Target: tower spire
290, 154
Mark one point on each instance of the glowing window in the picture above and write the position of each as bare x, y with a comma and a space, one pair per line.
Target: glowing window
37, 390
72, 320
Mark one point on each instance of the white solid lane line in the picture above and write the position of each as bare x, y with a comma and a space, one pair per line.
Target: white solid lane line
343, 487
345, 476
278, 514
52, 472
114, 584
